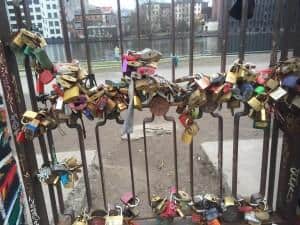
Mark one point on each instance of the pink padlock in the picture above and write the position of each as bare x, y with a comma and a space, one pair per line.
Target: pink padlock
126, 197
170, 210
144, 70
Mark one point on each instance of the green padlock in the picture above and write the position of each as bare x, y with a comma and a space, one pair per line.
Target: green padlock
259, 90
196, 113
28, 51
43, 59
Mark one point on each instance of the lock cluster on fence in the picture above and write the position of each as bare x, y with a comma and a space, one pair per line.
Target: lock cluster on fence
204, 209
262, 91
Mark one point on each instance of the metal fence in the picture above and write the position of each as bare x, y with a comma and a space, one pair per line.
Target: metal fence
26, 153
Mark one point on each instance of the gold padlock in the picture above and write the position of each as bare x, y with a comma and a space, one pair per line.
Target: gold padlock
69, 78
122, 106
225, 98
96, 96
71, 94
111, 105
197, 99
193, 129
80, 221
18, 41
229, 201
272, 84
137, 103
263, 114
186, 137
255, 104
231, 77
63, 83
30, 115
82, 74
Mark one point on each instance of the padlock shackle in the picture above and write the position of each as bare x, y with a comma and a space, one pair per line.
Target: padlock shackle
136, 203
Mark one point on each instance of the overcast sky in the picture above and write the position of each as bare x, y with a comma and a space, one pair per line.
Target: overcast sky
128, 4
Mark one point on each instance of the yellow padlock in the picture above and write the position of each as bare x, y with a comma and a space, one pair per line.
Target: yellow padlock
186, 137
18, 41
137, 102
255, 104
30, 115
231, 77
71, 94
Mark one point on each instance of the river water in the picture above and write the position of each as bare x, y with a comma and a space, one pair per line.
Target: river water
203, 46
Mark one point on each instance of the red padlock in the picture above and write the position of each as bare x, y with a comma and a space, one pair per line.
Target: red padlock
146, 70
185, 120
46, 77
21, 137
40, 89
57, 90
170, 210
263, 76
227, 87
197, 218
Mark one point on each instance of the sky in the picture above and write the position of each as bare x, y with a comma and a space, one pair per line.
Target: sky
126, 4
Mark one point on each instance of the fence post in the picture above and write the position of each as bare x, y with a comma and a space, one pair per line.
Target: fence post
16, 106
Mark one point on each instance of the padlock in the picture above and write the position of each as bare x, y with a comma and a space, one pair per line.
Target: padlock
196, 113
257, 124
193, 129
278, 93
255, 104
46, 77
18, 40
159, 106
256, 199
211, 214
88, 114
197, 218
186, 137
59, 103
203, 82
144, 70
69, 78
214, 222
33, 125
296, 101
39, 86
262, 215
114, 220
71, 94
134, 64
98, 217
197, 99
80, 221
96, 96
57, 90
161, 206
122, 106
64, 83
250, 218
43, 58
170, 210
30, 115
21, 137
225, 98
233, 104
137, 103
231, 77
186, 120
110, 104
272, 84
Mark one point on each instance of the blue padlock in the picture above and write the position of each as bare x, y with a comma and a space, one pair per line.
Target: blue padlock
246, 91
64, 178
32, 126
88, 114
291, 81
211, 214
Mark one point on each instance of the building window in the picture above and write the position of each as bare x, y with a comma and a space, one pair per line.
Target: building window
40, 25
38, 17
48, 7
13, 18
56, 23
37, 9
57, 31
55, 15
54, 6
36, 1
51, 24
11, 11
49, 15
31, 10
51, 31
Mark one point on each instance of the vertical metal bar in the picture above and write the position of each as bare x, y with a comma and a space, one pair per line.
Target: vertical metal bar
235, 157
192, 31
85, 167
138, 24
34, 105
276, 31
64, 27
84, 163
225, 20
191, 169
220, 151
287, 21
147, 120
131, 164
264, 162
54, 160
273, 157
243, 30
150, 21
15, 103
86, 36
297, 36
171, 119
100, 158
173, 38
120, 27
